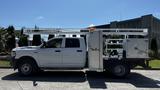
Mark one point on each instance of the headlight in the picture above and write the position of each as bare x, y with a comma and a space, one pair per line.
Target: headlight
13, 53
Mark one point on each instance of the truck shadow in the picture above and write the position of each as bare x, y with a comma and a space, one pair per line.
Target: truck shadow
95, 79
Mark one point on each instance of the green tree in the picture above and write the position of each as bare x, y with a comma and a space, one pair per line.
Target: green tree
10, 30
10, 38
1, 44
23, 41
22, 31
2, 39
154, 47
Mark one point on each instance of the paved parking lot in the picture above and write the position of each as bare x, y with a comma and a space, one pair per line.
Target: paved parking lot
62, 80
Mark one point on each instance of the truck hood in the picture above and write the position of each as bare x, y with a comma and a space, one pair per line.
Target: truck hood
26, 48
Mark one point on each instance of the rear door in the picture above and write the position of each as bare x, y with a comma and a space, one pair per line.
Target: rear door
73, 53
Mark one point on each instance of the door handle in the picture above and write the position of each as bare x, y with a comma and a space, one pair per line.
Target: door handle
79, 50
57, 50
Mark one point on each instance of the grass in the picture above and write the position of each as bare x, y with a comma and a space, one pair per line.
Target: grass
5, 63
154, 63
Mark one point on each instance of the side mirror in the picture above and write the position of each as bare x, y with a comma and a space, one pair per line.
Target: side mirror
44, 44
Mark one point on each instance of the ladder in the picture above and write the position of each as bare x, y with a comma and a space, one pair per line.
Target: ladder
84, 31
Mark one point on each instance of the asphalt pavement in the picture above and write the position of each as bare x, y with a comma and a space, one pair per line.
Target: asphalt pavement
79, 80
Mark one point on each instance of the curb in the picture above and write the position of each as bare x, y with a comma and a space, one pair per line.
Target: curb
146, 69
5, 67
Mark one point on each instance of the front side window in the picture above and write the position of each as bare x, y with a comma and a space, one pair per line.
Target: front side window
55, 43
72, 43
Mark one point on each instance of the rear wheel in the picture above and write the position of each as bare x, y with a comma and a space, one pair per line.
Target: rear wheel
120, 70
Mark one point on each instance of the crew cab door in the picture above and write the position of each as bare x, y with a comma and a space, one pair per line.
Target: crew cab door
73, 53
51, 54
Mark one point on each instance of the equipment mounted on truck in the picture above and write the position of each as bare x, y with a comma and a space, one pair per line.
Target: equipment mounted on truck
113, 50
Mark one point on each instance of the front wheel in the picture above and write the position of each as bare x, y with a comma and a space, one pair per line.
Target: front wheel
26, 68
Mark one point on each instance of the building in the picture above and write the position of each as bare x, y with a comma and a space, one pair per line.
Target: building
147, 21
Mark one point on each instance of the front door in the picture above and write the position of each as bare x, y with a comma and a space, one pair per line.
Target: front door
51, 54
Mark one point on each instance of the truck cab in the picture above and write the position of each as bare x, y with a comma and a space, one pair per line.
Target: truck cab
58, 52
62, 53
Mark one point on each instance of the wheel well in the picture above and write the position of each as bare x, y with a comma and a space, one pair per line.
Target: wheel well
108, 63
26, 58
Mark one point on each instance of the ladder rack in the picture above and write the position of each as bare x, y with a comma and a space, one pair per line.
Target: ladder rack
63, 31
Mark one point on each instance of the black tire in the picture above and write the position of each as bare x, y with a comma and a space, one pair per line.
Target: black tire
26, 68
120, 70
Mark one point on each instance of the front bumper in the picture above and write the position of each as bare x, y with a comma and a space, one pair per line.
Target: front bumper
13, 62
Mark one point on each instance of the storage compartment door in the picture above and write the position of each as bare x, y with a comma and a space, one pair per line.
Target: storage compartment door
95, 43
137, 48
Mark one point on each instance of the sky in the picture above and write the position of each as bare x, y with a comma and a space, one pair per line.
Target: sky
72, 13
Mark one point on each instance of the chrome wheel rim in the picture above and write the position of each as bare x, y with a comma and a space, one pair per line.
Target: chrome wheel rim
26, 69
119, 70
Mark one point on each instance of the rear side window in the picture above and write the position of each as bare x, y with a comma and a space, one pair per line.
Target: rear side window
72, 43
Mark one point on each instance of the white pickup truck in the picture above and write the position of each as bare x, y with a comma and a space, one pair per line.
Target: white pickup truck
74, 53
